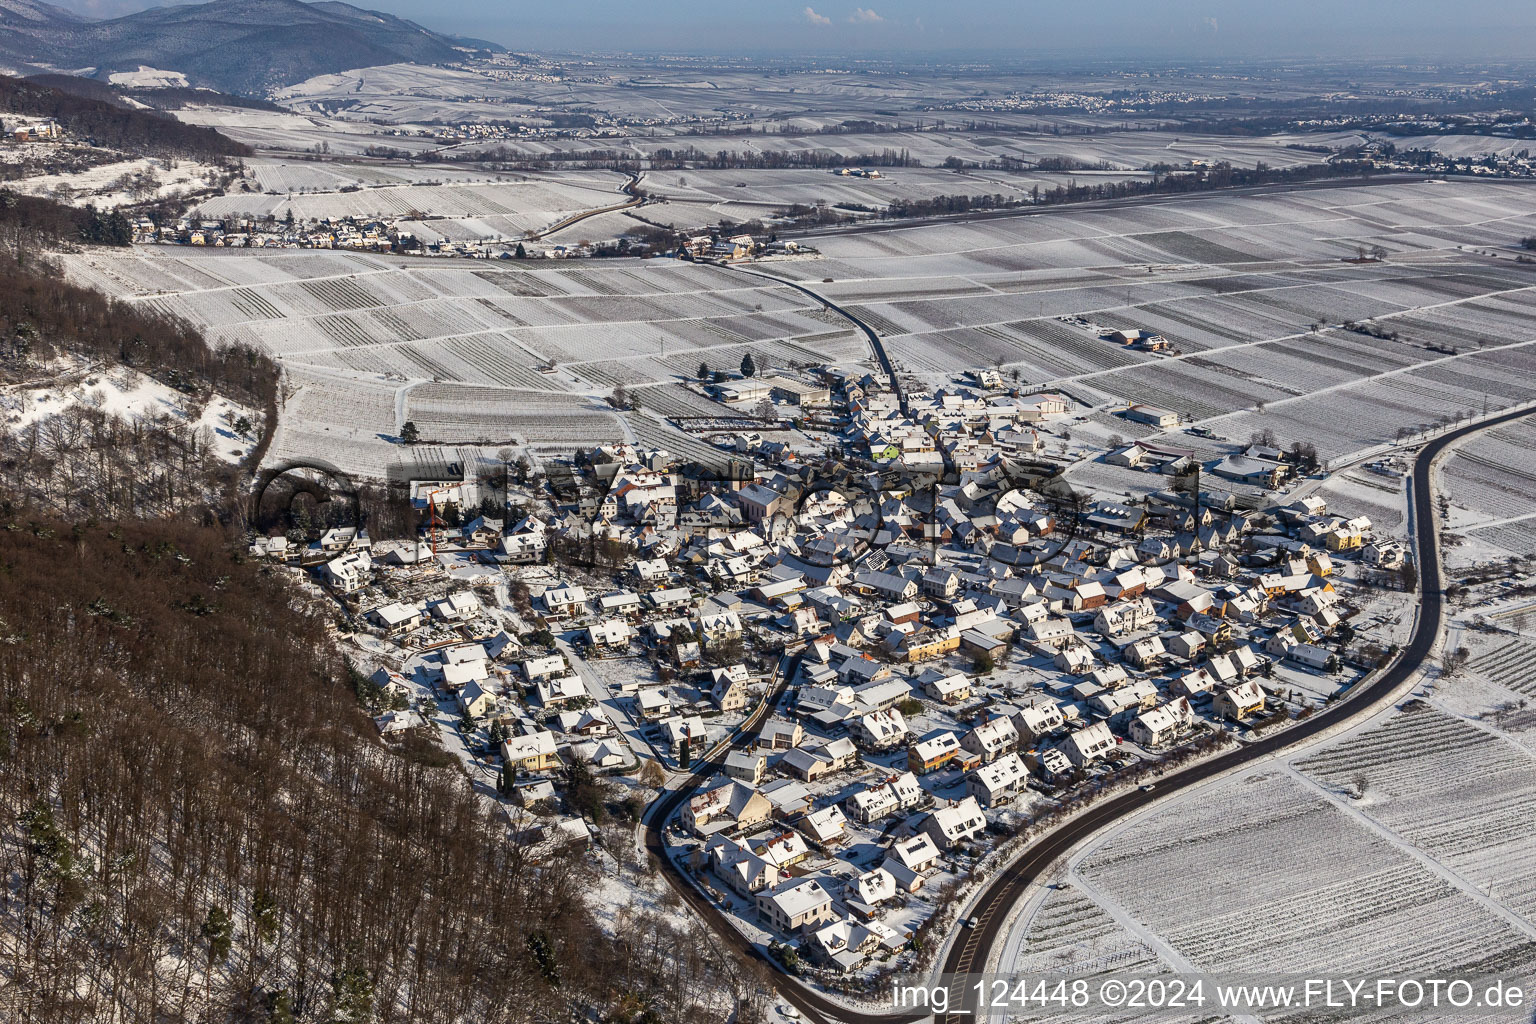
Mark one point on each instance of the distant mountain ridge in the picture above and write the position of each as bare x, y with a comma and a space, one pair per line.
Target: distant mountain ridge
248, 47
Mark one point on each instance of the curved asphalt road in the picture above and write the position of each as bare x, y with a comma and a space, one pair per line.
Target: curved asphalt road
969, 955
869, 332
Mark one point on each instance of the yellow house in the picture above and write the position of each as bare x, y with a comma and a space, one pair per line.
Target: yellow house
1342, 540
1320, 564
926, 644
534, 752
932, 754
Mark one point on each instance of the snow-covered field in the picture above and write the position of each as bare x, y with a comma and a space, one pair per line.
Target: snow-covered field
1401, 847
451, 204
1235, 282
370, 342
1491, 484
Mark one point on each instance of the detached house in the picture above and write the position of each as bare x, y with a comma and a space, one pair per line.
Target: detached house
1088, 745
958, 823
1238, 702
793, 907
879, 730
533, 752
998, 782
992, 739
933, 753
1038, 721
569, 600
729, 687
730, 805
1161, 724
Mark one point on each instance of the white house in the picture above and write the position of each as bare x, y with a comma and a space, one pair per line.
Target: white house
795, 906
991, 739
1088, 745
957, 823
998, 782
1161, 724
568, 600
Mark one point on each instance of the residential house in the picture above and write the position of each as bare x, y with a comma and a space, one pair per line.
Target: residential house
727, 806
950, 688
795, 906
955, 824
1038, 721
742, 870
728, 687
1088, 744
879, 730
349, 572
998, 782
916, 853
548, 667
396, 618
566, 600
1162, 724
1238, 702
614, 633
746, 766
561, 690
531, 752
780, 734
683, 729
1146, 653
899, 793
827, 826
991, 739
933, 753
654, 703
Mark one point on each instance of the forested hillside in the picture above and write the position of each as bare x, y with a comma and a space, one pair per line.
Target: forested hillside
112, 126
197, 823
80, 460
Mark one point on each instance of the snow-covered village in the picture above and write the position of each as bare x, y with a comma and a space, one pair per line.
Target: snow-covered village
858, 684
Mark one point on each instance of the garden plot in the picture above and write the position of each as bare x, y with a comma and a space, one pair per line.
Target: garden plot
1263, 876
1458, 792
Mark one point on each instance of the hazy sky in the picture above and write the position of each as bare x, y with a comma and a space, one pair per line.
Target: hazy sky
1125, 28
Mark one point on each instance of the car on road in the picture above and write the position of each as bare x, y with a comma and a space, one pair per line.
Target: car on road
1147, 787
967, 922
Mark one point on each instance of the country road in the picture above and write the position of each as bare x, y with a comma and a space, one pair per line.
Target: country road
628, 188
869, 332
991, 908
